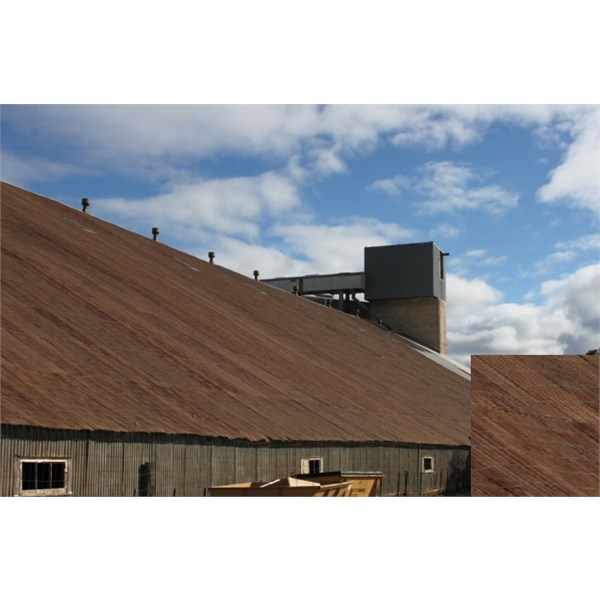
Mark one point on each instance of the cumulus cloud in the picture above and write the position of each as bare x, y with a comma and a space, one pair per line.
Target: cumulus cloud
245, 257
339, 247
584, 243
137, 139
567, 321
566, 252
576, 181
445, 187
445, 231
23, 171
474, 260
231, 206
553, 260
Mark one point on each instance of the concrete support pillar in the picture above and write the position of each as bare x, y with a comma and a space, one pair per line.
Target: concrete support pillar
423, 319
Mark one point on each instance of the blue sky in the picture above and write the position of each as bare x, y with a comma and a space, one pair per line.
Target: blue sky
511, 191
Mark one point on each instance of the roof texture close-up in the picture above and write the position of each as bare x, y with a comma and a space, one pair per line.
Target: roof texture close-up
535, 425
104, 329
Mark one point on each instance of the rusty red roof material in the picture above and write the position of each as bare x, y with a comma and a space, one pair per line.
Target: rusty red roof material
535, 425
104, 329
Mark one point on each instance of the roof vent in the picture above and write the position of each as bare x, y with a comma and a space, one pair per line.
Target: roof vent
256, 274
84, 204
211, 257
155, 233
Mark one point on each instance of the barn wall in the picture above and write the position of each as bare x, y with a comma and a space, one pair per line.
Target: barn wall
130, 464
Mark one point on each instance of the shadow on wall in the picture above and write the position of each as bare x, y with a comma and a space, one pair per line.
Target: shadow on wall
146, 479
459, 477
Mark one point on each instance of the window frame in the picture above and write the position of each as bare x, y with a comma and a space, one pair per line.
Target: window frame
51, 491
423, 469
305, 464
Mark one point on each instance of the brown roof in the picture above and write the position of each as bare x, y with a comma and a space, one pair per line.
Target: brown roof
105, 329
535, 425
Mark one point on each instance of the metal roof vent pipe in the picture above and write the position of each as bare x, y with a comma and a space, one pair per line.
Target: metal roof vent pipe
84, 204
211, 257
155, 233
256, 274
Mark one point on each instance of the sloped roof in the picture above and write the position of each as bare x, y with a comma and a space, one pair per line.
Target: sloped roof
535, 425
103, 329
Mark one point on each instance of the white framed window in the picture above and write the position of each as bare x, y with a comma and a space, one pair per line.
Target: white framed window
427, 464
43, 477
311, 466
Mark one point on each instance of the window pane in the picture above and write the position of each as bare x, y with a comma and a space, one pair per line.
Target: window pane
44, 479
58, 475
43, 475
28, 477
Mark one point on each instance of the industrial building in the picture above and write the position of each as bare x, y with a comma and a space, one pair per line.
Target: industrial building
404, 289
131, 368
535, 425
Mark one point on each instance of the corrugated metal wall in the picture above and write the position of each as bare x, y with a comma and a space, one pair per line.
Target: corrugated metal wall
113, 464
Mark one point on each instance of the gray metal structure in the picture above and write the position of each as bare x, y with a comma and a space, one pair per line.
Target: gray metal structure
404, 286
391, 272
136, 464
405, 271
320, 284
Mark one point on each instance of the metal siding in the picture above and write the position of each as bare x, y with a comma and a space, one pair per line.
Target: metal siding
204, 467
109, 464
171, 472
411, 458
223, 465
373, 459
287, 285
78, 467
245, 464
266, 464
317, 284
333, 283
105, 472
345, 458
403, 271
35, 446
335, 459
135, 454
283, 462
359, 458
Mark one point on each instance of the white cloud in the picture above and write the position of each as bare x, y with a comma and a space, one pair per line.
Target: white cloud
444, 231
577, 296
567, 252
445, 187
567, 321
473, 260
231, 206
307, 248
576, 181
435, 133
203, 130
553, 260
392, 186
244, 258
137, 139
23, 171
478, 253
584, 243
327, 160
340, 247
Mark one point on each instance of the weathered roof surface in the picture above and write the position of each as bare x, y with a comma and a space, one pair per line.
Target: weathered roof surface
104, 329
535, 425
